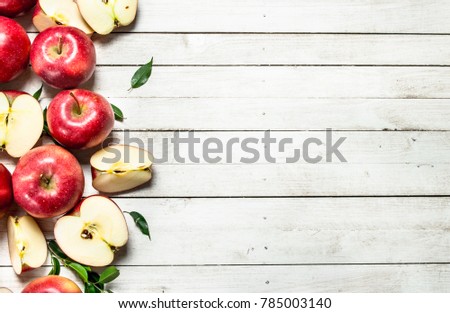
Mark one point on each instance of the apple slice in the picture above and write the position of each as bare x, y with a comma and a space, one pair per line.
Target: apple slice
5, 290
21, 122
119, 167
27, 245
93, 232
105, 15
50, 13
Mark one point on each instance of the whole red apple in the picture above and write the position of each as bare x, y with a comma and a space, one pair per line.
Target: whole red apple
52, 284
80, 119
12, 8
6, 191
48, 181
63, 56
14, 49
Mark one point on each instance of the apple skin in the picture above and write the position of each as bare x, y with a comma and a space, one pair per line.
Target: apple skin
6, 191
14, 49
12, 94
80, 119
52, 284
48, 181
13, 8
63, 56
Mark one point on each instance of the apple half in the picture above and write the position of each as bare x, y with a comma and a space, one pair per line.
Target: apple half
27, 244
21, 122
105, 15
120, 167
93, 232
49, 13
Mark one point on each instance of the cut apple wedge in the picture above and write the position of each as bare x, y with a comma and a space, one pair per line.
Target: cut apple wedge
119, 167
105, 15
50, 13
21, 122
27, 244
93, 232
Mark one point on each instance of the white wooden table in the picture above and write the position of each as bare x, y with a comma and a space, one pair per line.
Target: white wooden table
377, 72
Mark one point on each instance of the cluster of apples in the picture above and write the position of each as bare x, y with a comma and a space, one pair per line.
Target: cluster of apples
48, 181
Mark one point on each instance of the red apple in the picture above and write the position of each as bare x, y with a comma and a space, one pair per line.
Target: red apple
6, 192
80, 119
12, 8
14, 49
48, 181
52, 284
63, 56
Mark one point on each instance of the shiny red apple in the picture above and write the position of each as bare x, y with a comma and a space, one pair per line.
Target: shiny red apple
48, 181
52, 284
12, 8
80, 119
6, 191
63, 56
14, 49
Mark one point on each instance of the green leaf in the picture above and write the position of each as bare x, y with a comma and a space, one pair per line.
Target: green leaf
108, 275
109, 291
56, 269
94, 277
141, 223
90, 288
80, 270
56, 250
142, 75
118, 114
37, 94
46, 130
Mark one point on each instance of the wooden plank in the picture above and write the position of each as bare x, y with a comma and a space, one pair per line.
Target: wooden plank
283, 114
273, 49
334, 16
364, 147
378, 164
355, 278
283, 231
266, 82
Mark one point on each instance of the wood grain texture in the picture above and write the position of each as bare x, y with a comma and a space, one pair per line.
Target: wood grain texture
265, 82
305, 279
272, 49
283, 114
283, 231
341, 16
378, 164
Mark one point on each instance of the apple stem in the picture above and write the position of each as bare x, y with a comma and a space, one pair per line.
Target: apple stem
60, 43
45, 181
78, 107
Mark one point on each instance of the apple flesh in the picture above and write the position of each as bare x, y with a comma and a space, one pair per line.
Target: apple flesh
49, 13
105, 15
80, 119
27, 244
119, 167
52, 284
48, 181
14, 49
21, 122
13, 8
63, 57
93, 232
6, 191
